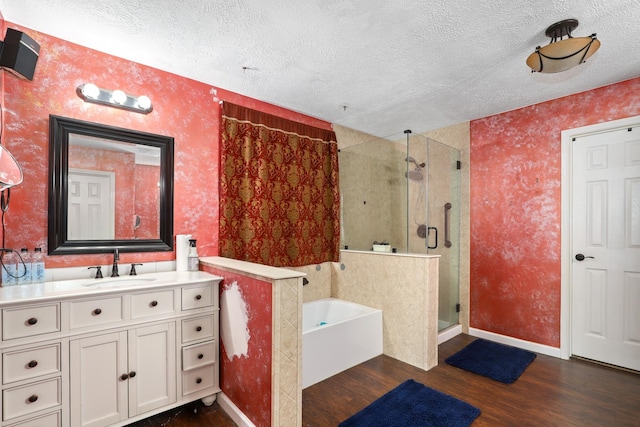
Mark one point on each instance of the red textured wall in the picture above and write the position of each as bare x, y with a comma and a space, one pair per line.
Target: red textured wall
185, 109
516, 209
247, 380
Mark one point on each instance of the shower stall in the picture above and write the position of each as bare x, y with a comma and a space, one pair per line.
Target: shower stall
402, 194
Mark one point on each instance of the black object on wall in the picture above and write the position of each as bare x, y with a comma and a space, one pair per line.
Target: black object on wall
19, 54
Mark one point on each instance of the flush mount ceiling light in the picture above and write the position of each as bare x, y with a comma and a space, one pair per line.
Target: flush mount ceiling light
116, 98
562, 53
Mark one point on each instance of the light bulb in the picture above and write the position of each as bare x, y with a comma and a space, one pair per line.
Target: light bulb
90, 90
144, 102
118, 97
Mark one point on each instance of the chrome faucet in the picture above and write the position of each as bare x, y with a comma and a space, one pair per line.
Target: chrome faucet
116, 258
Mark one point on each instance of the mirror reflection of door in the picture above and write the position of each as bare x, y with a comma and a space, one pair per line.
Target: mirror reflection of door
91, 205
134, 212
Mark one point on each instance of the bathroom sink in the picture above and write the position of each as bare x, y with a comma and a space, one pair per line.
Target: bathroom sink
119, 281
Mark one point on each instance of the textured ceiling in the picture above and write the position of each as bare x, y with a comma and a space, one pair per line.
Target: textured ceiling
378, 66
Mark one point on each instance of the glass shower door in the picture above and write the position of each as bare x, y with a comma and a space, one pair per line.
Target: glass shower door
434, 218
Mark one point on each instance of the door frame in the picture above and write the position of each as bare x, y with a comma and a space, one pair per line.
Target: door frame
566, 247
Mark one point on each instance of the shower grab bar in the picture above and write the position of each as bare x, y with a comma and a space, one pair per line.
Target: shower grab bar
436, 245
447, 208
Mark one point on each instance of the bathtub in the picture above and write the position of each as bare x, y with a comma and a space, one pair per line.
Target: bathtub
337, 335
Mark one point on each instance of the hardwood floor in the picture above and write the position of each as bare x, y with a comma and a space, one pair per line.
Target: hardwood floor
551, 392
193, 414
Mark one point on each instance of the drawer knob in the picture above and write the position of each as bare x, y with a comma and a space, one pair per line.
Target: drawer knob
32, 398
200, 356
153, 303
32, 364
97, 311
32, 321
198, 297
132, 374
199, 328
124, 377
198, 380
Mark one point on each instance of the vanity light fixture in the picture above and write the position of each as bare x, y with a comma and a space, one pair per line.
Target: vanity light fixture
114, 98
561, 53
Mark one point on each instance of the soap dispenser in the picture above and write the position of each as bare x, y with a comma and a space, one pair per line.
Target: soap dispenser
192, 260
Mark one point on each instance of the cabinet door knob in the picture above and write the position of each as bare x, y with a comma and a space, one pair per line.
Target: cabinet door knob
97, 311
153, 303
198, 297
199, 328
32, 321
32, 398
132, 374
32, 364
200, 356
198, 381
124, 377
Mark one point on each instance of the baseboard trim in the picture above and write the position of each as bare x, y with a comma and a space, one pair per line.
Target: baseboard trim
233, 411
449, 333
516, 342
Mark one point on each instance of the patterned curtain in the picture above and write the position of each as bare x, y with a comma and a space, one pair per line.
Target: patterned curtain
279, 195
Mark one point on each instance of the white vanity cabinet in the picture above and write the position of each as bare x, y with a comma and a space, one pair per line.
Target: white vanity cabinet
108, 357
32, 367
122, 374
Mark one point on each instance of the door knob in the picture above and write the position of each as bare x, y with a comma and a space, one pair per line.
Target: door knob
581, 257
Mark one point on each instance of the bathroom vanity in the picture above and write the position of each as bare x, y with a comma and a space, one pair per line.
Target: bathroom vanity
107, 352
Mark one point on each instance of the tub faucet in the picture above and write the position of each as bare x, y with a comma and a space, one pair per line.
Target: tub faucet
114, 269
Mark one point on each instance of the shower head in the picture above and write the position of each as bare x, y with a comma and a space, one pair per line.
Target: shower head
415, 175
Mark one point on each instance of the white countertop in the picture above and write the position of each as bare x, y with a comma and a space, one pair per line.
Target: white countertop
40, 292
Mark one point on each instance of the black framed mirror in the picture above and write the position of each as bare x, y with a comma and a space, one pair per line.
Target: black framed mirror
109, 188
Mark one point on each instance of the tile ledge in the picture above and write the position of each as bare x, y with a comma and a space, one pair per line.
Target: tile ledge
351, 251
266, 271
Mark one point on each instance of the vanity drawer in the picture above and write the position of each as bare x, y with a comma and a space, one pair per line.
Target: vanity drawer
197, 297
200, 328
30, 321
151, 304
95, 312
30, 363
31, 398
197, 380
49, 420
198, 355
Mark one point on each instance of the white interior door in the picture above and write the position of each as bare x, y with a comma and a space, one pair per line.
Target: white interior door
91, 205
605, 242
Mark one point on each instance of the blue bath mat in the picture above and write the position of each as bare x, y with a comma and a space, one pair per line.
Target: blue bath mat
497, 361
413, 404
